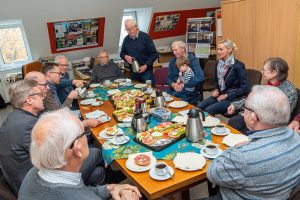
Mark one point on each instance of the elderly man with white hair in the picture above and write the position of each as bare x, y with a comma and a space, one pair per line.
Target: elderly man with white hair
138, 45
179, 49
268, 166
58, 150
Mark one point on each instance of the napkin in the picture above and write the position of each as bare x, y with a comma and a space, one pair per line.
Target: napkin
232, 139
189, 161
180, 119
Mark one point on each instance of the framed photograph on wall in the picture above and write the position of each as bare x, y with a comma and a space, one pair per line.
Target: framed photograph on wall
166, 22
76, 34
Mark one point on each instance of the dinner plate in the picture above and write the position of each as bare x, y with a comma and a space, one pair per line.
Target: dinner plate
94, 85
104, 119
140, 85
189, 161
178, 104
125, 140
206, 155
103, 135
95, 114
210, 121
130, 164
226, 132
87, 101
91, 95
97, 103
119, 80
161, 178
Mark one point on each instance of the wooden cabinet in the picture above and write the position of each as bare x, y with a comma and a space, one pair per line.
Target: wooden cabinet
263, 29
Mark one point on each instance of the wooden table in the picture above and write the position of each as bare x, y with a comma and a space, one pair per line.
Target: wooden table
153, 189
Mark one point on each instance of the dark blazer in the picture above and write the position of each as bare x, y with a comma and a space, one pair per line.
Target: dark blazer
236, 81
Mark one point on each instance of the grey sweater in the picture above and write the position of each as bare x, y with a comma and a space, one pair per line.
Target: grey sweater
106, 72
34, 187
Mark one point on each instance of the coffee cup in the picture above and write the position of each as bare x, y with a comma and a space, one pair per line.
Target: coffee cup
119, 138
161, 168
220, 128
211, 149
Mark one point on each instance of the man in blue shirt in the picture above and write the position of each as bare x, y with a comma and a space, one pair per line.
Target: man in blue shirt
138, 45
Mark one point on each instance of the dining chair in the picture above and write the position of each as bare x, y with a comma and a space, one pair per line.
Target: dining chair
160, 78
295, 194
33, 66
209, 76
297, 108
254, 77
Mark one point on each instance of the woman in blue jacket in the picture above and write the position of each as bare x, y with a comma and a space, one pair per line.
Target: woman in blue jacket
231, 80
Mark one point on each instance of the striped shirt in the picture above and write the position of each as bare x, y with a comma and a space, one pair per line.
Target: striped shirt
186, 77
268, 167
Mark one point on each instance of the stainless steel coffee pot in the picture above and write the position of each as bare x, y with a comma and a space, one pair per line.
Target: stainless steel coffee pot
138, 123
194, 127
160, 101
82, 93
135, 65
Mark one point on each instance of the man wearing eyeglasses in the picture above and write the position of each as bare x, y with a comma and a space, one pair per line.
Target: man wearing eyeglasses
106, 69
138, 45
267, 166
15, 133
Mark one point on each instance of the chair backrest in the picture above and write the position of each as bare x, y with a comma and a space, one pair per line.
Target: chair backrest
295, 194
254, 77
297, 108
209, 69
160, 78
33, 66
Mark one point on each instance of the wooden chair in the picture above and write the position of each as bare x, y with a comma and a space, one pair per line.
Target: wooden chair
295, 194
33, 66
209, 76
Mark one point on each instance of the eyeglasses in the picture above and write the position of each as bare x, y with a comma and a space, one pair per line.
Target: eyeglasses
43, 84
56, 73
251, 110
130, 28
81, 135
41, 94
65, 65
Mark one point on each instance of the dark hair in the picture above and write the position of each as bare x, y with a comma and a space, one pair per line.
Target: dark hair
280, 66
182, 60
48, 66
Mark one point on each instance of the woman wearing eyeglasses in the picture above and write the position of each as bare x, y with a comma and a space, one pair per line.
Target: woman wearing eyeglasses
231, 80
275, 73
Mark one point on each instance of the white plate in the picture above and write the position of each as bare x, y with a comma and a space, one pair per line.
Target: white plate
95, 114
91, 95
103, 135
125, 140
114, 91
119, 80
140, 85
161, 178
189, 161
180, 119
104, 119
94, 85
232, 139
97, 103
178, 104
210, 121
168, 99
87, 101
130, 164
226, 132
206, 155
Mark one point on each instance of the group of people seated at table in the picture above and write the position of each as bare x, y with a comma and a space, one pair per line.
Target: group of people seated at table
49, 149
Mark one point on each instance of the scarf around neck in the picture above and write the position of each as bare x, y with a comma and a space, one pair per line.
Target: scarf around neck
222, 69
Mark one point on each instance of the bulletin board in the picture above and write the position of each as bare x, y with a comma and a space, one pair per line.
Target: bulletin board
76, 34
173, 23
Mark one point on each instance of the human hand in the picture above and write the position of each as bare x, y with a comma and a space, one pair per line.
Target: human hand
129, 195
177, 87
143, 68
180, 73
91, 123
117, 191
222, 97
215, 93
78, 83
295, 126
128, 59
73, 94
230, 109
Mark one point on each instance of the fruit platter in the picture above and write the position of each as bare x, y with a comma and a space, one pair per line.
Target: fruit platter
161, 136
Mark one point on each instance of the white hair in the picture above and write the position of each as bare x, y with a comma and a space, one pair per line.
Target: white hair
59, 57
131, 21
51, 136
179, 44
270, 104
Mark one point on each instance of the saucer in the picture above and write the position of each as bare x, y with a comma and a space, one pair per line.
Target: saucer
203, 152
125, 140
87, 101
97, 103
103, 135
226, 132
168, 99
161, 178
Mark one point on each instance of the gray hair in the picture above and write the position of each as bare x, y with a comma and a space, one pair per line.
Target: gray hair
229, 44
179, 44
270, 104
20, 90
131, 21
59, 57
51, 136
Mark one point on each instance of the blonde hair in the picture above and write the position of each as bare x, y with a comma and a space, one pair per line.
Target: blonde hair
229, 44
182, 60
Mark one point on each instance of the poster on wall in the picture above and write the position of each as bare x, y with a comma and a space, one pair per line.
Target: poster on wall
166, 22
76, 34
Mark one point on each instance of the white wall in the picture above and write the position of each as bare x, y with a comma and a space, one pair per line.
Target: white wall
35, 15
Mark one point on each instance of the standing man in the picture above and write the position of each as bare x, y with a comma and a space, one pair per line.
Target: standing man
268, 166
179, 49
138, 45
106, 69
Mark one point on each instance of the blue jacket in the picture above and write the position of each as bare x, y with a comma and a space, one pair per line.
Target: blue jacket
236, 81
194, 64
